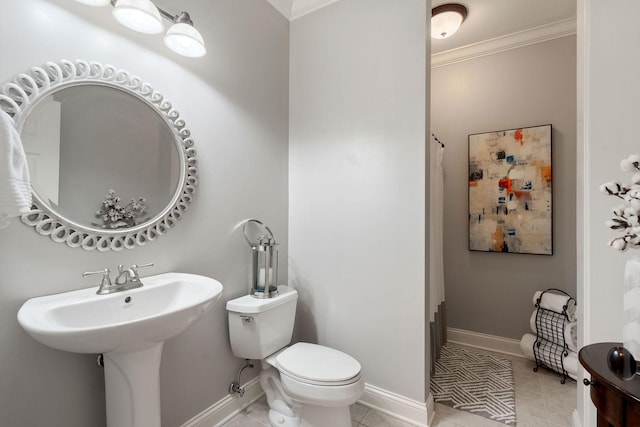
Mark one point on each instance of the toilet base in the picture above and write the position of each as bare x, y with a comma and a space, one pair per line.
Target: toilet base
287, 412
276, 419
313, 416
322, 416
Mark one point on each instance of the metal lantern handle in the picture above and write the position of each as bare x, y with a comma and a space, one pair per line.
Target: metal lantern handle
257, 221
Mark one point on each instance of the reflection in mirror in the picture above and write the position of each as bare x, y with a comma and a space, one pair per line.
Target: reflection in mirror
112, 163
87, 140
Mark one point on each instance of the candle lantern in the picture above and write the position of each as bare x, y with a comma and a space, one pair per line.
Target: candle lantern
264, 269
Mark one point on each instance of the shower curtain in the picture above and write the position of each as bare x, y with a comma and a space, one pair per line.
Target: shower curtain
437, 308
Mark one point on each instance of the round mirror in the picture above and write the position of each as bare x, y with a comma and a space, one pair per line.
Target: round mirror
111, 164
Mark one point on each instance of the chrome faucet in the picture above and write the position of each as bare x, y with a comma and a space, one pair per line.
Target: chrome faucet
126, 279
127, 276
105, 284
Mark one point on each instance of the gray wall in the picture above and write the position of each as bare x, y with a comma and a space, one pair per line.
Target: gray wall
357, 185
491, 292
235, 102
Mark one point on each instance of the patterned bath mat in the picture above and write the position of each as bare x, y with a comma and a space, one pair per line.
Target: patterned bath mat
476, 383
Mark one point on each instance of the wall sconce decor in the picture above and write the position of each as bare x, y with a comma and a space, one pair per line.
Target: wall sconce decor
446, 19
145, 17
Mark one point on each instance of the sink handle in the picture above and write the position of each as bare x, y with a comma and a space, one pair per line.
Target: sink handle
106, 279
135, 268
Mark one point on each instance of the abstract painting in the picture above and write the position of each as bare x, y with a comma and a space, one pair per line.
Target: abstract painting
510, 191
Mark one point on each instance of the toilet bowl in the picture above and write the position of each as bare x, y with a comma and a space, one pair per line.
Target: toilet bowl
312, 373
307, 385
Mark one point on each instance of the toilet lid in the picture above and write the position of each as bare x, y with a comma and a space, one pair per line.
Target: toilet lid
316, 363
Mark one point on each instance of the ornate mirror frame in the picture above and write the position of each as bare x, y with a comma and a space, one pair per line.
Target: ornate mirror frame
17, 99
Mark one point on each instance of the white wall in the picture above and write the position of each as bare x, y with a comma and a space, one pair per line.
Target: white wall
608, 126
235, 102
492, 293
357, 241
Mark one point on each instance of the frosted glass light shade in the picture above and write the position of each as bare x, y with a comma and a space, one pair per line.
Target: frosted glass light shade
138, 15
446, 20
97, 3
185, 40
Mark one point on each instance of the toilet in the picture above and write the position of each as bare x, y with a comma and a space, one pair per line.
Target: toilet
307, 385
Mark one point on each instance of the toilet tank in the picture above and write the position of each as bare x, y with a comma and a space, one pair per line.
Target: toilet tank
259, 327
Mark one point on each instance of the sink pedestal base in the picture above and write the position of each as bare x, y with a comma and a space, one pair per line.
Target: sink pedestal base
132, 387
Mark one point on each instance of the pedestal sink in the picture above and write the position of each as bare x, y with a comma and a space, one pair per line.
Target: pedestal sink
129, 328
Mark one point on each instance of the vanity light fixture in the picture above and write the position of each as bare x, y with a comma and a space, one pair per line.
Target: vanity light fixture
145, 17
446, 19
138, 15
183, 38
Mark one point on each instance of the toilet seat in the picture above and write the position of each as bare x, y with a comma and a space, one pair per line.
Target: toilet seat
317, 365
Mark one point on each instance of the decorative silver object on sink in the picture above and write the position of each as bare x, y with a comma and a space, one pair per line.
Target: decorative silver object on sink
79, 116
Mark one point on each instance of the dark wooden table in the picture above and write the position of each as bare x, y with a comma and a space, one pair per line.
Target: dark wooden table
617, 401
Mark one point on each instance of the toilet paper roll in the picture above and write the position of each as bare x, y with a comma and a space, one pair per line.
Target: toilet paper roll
570, 361
556, 302
570, 332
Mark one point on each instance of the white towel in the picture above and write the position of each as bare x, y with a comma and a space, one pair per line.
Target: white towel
556, 302
570, 361
570, 332
571, 335
15, 186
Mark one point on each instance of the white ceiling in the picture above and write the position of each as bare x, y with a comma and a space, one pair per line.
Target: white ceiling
487, 19
293, 9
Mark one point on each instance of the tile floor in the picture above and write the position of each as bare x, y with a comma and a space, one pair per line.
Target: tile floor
541, 401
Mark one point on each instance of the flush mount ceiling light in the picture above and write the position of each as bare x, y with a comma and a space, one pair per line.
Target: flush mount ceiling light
446, 19
145, 17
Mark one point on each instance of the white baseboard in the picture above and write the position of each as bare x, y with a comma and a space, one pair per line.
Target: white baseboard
485, 341
408, 410
575, 419
225, 409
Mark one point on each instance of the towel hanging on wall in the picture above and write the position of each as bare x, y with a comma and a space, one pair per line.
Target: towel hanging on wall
15, 185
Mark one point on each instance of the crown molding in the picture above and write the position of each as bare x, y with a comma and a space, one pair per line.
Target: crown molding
516, 40
302, 7
293, 9
282, 6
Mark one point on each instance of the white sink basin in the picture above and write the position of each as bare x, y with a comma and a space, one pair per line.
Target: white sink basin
129, 328
83, 322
